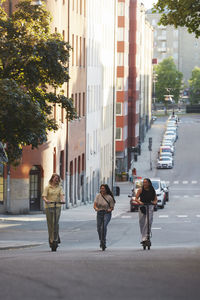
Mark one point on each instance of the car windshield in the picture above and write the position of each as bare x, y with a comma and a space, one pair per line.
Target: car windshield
165, 158
155, 185
166, 150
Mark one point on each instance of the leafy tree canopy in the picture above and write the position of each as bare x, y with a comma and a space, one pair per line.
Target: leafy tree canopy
33, 63
169, 80
194, 84
180, 13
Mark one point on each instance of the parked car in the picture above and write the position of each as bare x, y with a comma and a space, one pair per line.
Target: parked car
173, 129
168, 143
171, 135
167, 154
166, 149
156, 182
137, 185
164, 162
165, 189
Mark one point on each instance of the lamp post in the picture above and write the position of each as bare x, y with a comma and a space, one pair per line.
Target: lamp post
154, 89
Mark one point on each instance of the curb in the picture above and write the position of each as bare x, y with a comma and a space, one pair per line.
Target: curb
9, 245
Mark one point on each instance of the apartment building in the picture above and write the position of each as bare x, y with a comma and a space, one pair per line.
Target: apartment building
140, 78
178, 43
100, 95
64, 153
122, 85
76, 131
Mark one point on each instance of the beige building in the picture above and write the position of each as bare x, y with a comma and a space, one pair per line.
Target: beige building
178, 43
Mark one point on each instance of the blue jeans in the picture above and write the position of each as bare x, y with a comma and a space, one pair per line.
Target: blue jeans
106, 216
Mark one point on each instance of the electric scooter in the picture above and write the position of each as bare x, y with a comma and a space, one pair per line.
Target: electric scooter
147, 243
54, 245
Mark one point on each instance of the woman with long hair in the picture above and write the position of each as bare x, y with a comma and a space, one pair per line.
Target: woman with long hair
103, 204
146, 195
53, 193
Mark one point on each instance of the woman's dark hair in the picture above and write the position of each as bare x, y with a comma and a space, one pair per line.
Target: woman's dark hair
150, 184
52, 177
108, 191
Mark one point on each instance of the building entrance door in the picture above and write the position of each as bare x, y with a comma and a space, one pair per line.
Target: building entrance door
35, 188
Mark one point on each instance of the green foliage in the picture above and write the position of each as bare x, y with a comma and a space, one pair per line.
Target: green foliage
194, 84
180, 13
168, 80
33, 62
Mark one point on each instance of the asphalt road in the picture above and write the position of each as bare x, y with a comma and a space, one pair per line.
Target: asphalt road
79, 270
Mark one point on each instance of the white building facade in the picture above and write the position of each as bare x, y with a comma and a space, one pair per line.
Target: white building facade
100, 95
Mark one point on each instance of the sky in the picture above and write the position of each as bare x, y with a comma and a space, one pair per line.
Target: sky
148, 3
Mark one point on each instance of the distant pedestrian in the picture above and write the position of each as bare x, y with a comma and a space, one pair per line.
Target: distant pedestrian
53, 193
104, 204
146, 195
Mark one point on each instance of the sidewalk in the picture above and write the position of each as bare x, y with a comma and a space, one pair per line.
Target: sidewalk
86, 212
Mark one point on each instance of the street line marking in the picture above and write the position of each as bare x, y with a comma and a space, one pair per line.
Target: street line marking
176, 182
185, 196
126, 217
194, 182
156, 228
163, 216
185, 182
167, 182
182, 216
176, 196
198, 216
196, 196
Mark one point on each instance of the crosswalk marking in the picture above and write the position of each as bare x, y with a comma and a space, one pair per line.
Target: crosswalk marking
194, 182
163, 216
176, 196
176, 182
196, 196
126, 217
182, 216
185, 196
185, 182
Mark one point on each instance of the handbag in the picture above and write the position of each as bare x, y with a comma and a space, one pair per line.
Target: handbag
143, 210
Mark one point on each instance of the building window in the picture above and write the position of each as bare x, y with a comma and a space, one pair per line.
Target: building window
118, 109
77, 6
1, 183
120, 84
120, 58
76, 50
83, 104
118, 134
72, 49
76, 104
79, 105
120, 34
63, 35
63, 2
62, 114
121, 9
62, 164
80, 47
54, 160
84, 52
81, 7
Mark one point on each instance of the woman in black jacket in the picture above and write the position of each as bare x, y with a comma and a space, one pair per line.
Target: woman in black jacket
146, 195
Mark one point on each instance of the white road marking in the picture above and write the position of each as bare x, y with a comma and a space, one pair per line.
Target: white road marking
185, 196
176, 196
198, 216
126, 217
167, 182
185, 182
196, 196
156, 228
163, 216
194, 182
182, 216
176, 182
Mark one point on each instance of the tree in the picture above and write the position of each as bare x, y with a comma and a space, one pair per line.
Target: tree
33, 66
194, 84
180, 13
168, 80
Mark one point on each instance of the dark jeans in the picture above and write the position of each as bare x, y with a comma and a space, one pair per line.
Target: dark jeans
106, 216
50, 223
